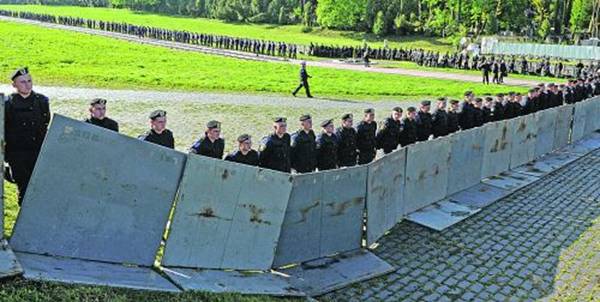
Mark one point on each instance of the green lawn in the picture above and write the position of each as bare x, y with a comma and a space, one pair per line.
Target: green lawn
85, 60
288, 33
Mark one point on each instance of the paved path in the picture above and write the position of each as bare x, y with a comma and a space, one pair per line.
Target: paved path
521, 248
57, 93
249, 56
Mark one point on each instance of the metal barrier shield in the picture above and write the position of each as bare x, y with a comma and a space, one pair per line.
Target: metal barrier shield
227, 216
466, 157
579, 119
592, 117
324, 215
496, 149
385, 194
564, 116
426, 173
546, 127
523, 140
97, 195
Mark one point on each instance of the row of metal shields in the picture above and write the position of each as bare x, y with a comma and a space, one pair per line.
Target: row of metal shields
106, 209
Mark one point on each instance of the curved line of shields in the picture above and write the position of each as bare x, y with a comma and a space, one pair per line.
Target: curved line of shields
109, 201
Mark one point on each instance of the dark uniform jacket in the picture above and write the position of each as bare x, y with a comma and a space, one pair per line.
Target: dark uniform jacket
164, 139
424, 126
26, 122
106, 123
275, 153
513, 109
409, 134
499, 112
466, 116
327, 151
303, 75
346, 152
478, 119
303, 151
453, 124
207, 148
440, 123
251, 158
366, 141
388, 136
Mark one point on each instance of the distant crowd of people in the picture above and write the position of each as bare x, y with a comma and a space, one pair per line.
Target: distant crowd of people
339, 143
500, 67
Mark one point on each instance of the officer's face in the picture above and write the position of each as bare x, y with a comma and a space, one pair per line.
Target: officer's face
246, 145
441, 105
280, 128
347, 123
397, 115
307, 124
425, 108
454, 106
369, 117
213, 133
412, 115
329, 129
23, 84
98, 111
159, 124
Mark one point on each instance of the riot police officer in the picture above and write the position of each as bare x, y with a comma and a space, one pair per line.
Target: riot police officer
346, 134
244, 154
388, 137
211, 144
158, 133
98, 115
439, 122
409, 133
275, 148
365, 137
327, 143
27, 115
303, 149
424, 121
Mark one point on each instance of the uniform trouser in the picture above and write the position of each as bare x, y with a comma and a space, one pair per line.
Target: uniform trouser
365, 156
21, 165
306, 87
486, 78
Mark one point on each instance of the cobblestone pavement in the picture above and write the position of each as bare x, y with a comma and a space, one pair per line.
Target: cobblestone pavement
247, 56
543, 238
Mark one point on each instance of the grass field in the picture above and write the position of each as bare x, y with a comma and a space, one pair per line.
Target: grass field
85, 60
287, 33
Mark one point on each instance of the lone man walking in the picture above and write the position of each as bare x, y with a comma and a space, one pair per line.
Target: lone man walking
303, 81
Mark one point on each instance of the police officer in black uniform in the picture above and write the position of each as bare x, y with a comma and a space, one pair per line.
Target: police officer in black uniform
98, 115
244, 154
346, 134
304, 146
365, 137
327, 143
303, 81
158, 133
275, 148
453, 115
440, 119
211, 145
424, 121
388, 137
26, 119
409, 133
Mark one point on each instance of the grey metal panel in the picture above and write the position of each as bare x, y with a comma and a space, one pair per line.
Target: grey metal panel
479, 196
496, 149
426, 173
2, 100
219, 281
562, 126
546, 127
227, 216
299, 239
343, 196
385, 194
510, 181
579, 119
328, 274
584, 145
591, 116
442, 215
9, 266
466, 158
108, 200
523, 140
67, 270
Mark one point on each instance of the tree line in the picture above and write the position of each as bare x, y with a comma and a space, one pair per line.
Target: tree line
534, 18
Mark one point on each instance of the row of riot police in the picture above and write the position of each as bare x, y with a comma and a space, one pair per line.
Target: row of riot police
27, 115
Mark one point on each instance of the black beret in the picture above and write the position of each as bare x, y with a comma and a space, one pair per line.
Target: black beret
425, 103
19, 72
532, 90
454, 102
326, 123
280, 120
468, 93
511, 93
157, 113
441, 99
347, 116
97, 101
369, 110
213, 125
488, 98
411, 109
397, 109
244, 137
478, 100
500, 95
305, 117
